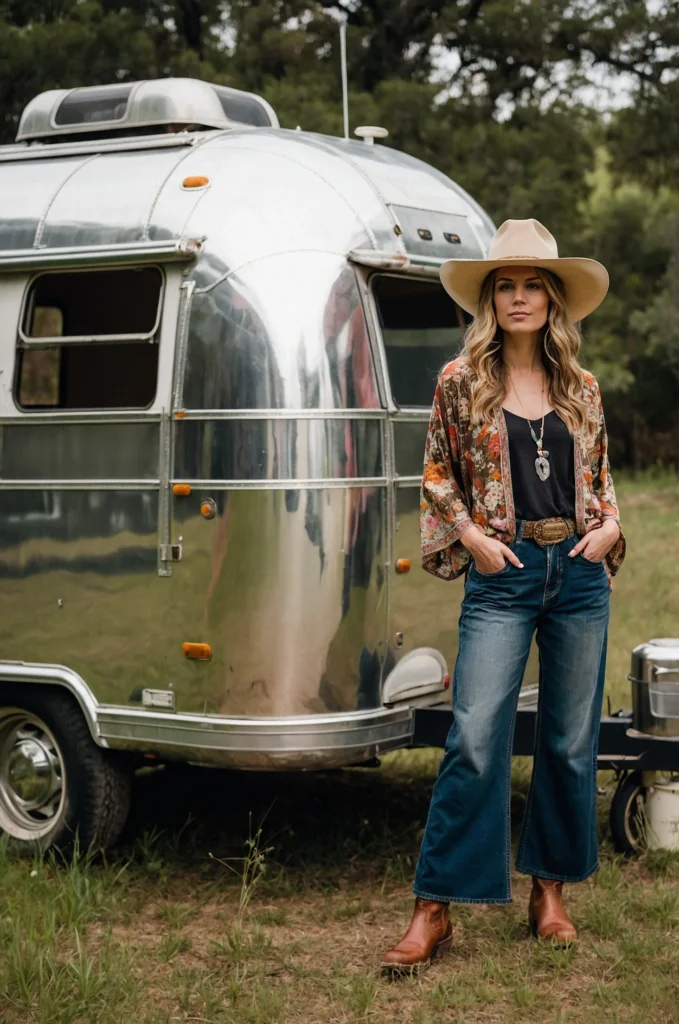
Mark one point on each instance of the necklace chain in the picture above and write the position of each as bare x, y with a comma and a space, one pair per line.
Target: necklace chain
542, 467
538, 440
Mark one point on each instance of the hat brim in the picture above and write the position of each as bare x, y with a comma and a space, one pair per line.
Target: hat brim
585, 281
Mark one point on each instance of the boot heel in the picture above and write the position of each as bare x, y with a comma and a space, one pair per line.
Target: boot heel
442, 948
533, 927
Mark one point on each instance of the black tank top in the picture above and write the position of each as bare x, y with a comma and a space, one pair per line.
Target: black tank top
535, 498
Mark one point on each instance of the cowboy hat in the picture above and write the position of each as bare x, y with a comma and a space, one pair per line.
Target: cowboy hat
527, 241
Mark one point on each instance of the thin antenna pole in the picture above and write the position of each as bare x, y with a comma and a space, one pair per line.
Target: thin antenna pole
345, 87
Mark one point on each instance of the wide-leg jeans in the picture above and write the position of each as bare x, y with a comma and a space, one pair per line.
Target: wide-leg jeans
465, 853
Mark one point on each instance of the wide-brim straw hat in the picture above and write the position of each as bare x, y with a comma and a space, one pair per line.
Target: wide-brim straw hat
527, 241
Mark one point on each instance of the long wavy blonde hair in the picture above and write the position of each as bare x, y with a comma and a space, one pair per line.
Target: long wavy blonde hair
560, 345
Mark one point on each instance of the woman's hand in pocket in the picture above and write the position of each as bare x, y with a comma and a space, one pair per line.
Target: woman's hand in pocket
596, 544
490, 555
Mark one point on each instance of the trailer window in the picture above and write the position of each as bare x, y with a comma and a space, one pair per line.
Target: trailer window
422, 329
89, 340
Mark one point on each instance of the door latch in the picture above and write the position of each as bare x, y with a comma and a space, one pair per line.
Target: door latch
170, 552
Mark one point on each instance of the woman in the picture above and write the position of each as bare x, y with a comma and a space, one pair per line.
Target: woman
517, 494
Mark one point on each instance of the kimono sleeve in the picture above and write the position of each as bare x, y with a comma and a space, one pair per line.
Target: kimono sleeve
602, 484
444, 515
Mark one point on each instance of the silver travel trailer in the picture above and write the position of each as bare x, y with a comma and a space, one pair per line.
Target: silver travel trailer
218, 347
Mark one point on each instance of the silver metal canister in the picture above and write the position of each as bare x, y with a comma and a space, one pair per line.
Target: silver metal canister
655, 687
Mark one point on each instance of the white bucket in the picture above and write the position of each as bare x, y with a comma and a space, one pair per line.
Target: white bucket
662, 815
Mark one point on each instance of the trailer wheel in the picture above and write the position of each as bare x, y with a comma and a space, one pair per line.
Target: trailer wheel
627, 817
56, 784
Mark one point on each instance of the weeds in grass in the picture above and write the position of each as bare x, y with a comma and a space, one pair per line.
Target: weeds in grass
524, 994
660, 863
273, 915
171, 946
253, 866
349, 911
175, 915
357, 992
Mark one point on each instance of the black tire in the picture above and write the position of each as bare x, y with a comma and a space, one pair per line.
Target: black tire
627, 815
57, 787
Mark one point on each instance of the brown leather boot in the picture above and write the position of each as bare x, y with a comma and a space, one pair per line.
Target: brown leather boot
546, 913
430, 935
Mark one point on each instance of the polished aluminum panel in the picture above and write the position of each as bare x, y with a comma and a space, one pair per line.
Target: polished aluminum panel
283, 744
278, 449
26, 192
79, 451
254, 210
403, 180
108, 200
79, 586
289, 589
285, 332
423, 609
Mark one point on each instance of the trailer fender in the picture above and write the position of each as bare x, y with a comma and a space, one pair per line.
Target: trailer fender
34, 674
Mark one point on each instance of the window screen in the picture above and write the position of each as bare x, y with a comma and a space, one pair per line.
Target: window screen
422, 329
89, 340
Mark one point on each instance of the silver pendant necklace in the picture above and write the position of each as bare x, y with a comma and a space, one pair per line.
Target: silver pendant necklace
542, 467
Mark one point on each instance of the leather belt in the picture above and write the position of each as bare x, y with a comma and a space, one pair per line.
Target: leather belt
549, 531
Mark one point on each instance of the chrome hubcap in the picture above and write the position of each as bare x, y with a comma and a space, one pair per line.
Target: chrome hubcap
31, 776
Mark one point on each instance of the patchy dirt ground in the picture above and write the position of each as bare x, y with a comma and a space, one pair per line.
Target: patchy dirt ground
200, 917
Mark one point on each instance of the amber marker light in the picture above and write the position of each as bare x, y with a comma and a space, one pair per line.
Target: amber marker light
198, 652
208, 508
195, 181
181, 490
403, 565
180, 414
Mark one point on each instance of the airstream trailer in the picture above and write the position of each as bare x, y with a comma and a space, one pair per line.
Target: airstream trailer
218, 346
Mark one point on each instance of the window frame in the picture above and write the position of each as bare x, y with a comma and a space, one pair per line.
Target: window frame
396, 408
25, 343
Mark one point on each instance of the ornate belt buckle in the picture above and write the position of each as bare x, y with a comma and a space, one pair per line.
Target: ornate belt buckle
549, 531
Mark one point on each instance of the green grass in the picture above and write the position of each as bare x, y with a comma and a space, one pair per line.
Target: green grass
201, 917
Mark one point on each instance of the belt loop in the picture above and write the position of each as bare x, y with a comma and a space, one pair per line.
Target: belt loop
519, 532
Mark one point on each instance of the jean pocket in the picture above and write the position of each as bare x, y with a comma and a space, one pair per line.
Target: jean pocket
491, 575
589, 561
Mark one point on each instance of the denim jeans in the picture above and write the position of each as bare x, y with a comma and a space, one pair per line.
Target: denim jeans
465, 853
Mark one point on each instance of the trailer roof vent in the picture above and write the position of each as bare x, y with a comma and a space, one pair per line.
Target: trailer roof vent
135, 108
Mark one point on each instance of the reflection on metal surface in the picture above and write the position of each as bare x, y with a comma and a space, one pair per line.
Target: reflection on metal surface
280, 449
272, 404
271, 563
317, 741
418, 674
33, 451
295, 334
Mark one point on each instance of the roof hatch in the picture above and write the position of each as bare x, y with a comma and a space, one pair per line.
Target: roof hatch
131, 108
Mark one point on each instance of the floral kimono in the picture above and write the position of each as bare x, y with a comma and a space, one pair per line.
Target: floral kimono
467, 477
